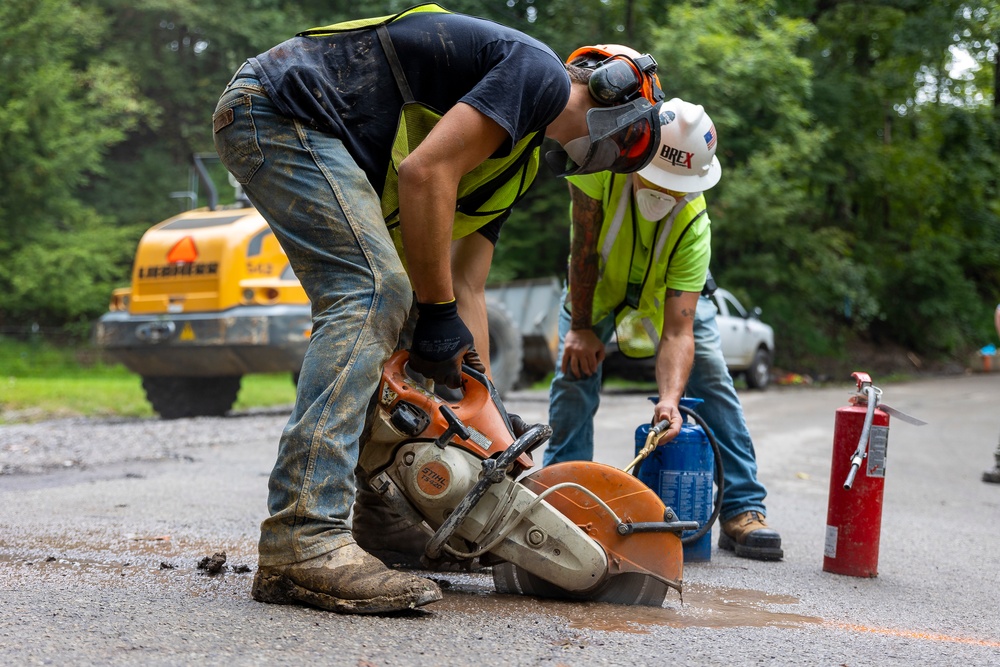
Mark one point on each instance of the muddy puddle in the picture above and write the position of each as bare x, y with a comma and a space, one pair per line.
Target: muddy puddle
703, 607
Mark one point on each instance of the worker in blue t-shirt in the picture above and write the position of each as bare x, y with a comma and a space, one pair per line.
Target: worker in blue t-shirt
385, 154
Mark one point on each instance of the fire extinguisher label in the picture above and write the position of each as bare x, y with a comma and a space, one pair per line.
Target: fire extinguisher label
830, 548
878, 444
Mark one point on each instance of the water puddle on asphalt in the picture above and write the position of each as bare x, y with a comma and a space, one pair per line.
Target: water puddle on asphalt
703, 607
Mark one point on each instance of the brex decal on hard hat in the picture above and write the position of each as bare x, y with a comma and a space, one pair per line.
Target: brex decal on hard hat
623, 139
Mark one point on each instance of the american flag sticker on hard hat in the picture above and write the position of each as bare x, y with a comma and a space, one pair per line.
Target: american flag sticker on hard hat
710, 137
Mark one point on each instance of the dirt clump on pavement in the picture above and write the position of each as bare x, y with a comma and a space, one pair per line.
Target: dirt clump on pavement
213, 564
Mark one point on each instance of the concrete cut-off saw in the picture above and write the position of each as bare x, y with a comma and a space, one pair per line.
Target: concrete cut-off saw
577, 530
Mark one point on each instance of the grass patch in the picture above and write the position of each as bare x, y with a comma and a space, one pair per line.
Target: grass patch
265, 391
42, 381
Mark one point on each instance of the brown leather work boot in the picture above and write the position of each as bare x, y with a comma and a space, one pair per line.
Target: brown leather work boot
346, 580
749, 536
993, 476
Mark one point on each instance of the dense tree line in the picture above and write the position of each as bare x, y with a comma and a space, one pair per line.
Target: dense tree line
859, 141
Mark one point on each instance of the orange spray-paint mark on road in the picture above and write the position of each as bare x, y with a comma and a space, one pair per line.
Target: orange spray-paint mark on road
913, 634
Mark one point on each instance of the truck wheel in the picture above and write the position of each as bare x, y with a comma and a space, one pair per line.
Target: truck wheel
506, 347
759, 373
180, 397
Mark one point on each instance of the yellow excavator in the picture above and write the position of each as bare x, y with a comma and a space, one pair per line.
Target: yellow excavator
212, 298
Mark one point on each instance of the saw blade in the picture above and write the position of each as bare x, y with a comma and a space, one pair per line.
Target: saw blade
630, 588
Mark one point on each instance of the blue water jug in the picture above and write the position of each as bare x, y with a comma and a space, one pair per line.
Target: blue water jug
681, 472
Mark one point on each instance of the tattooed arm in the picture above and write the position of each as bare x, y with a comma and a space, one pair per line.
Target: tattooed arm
583, 351
674, 357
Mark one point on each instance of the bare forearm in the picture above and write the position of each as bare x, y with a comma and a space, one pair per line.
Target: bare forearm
674, 359
471, 257
584, 258
675, 354
426, 224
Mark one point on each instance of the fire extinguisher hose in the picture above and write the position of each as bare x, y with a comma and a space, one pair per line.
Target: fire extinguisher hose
719, 475
872, 393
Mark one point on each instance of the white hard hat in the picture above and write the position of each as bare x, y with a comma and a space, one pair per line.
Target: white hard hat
685, 160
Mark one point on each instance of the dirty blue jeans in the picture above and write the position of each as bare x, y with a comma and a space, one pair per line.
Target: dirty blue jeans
328, 219
710, 381
573, 403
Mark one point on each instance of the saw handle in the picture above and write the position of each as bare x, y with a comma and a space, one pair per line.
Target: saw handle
657, 527
494, 471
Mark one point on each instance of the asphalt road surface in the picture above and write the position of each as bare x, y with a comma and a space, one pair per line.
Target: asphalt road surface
108, 530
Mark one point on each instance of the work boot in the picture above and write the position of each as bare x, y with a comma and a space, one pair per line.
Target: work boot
346, 580
993, 476
748, 535
391, 538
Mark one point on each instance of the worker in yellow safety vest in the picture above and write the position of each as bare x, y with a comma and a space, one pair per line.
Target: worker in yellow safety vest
384, 154
640, 252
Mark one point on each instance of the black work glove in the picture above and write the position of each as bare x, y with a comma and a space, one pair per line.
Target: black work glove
472, 360
440, 343
517, 425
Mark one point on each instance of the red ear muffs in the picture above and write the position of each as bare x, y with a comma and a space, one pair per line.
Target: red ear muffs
615, 81
618, 78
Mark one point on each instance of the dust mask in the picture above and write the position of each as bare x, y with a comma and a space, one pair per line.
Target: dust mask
577, 149
653, 204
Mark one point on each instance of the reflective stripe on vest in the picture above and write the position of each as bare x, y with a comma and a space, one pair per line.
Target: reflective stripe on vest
638, 313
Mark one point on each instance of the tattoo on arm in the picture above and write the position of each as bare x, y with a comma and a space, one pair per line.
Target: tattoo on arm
687, 313
584, 260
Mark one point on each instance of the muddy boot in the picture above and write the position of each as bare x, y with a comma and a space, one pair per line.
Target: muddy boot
386, 535
346, 580
993, 476
748, 535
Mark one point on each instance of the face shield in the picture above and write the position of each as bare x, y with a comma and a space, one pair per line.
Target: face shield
621, 139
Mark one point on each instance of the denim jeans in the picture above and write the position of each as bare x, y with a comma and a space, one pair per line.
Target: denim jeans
328, 219
573, 403
722, 411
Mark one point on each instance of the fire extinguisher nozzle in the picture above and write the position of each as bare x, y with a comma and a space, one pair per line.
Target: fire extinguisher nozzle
849, 482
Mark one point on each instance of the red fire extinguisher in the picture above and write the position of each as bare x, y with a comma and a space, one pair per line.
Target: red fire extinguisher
857, 480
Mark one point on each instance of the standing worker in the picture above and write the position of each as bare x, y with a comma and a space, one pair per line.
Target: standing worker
384, 154
744, 529
993, 476
641, 246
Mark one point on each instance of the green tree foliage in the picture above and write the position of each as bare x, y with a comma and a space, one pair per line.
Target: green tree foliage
910, 170
740, 60
59, 113
859, 198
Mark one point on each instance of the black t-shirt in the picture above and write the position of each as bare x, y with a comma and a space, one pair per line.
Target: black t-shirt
343, 84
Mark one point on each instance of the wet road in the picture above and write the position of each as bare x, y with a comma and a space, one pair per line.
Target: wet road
103, 525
